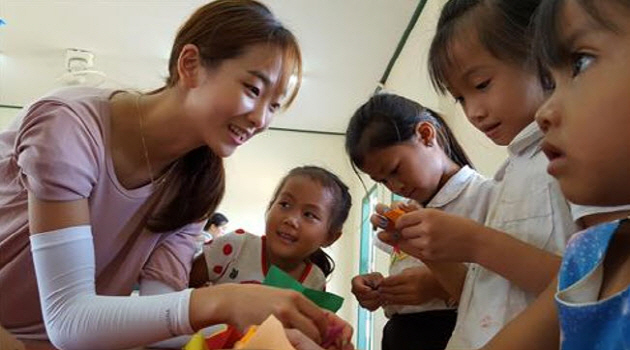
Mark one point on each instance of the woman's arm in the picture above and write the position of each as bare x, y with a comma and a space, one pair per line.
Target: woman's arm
77, 318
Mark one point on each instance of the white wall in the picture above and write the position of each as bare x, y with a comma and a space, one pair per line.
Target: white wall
256, 168
6, 116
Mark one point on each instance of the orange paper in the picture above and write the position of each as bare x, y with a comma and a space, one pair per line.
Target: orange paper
392, 216
269, 335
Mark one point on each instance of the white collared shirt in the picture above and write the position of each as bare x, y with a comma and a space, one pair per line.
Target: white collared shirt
529, 206
467, 193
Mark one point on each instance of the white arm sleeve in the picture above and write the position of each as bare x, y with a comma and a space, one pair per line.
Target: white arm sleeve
151, 287
77, 318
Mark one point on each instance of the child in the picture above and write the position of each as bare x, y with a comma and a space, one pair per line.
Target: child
585, 45
306, 213
103, 189
413, 152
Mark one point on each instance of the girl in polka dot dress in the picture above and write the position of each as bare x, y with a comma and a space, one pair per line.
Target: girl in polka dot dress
306, 213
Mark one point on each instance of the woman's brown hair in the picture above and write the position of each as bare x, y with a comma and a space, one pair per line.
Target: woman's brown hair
221, 30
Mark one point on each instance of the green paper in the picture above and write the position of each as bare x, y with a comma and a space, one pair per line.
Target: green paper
280, 279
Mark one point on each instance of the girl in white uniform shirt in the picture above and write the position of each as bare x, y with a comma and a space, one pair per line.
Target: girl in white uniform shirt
412, 151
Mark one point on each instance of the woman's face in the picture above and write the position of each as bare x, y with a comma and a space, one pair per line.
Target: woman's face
230, 103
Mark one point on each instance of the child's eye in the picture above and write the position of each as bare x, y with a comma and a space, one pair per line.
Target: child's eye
580, 62
283, 204
483, 85
255, 91
311, 215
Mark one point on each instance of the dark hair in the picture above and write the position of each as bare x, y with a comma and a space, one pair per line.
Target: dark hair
550, 50
339, 211
387, 119
502, 27
216, 219
221, 30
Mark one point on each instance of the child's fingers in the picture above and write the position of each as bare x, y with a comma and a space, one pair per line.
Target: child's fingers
379, 221
393, 280
412, 218
381, 208
389, 237
373, 279
372, 295
411, 206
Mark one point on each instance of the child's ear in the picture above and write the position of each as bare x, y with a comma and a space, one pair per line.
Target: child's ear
425, 132
189, 66
332, 238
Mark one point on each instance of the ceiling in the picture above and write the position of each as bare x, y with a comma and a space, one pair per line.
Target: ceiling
346, 46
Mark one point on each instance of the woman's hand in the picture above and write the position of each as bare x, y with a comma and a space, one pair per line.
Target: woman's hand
302, 342
365, 289
242, 305
339, 333
433, 235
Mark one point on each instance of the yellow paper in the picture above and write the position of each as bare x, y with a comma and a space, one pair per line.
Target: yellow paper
197, 342
8, 341
269, 335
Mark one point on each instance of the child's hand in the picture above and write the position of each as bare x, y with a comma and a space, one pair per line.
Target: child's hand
379, 220
413, 286
365, 289
433, 235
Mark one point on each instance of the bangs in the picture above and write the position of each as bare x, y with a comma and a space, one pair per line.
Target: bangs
501, 29
464, 29
290, 80
550, 48
441, 58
